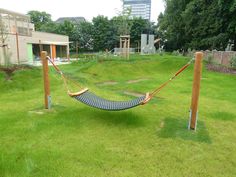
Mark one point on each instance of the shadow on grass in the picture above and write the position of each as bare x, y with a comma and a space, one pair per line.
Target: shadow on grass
77, 117
177, 128
120, 118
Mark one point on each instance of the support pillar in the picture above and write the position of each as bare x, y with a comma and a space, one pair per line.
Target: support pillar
47, 97
195, 91
54, 55
17, 48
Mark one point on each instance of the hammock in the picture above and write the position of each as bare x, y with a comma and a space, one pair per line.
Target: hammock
90, 99
95, 101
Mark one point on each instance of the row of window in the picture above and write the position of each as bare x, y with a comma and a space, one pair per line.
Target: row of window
137, 6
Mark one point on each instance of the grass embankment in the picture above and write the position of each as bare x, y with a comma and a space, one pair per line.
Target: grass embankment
73, 139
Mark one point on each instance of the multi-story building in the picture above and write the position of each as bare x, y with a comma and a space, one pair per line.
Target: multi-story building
139, 8
20, 43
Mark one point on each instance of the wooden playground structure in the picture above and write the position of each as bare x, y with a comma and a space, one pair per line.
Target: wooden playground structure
125, 46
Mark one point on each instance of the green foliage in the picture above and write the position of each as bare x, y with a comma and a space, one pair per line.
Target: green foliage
98, 35
50, 27
140, 26
39, 19
176, 53
83, 34
101, 35
198, 24
210, 59
66, 28
233, 62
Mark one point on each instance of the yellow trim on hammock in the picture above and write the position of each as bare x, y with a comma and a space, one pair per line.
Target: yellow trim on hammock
147, 99
77, 93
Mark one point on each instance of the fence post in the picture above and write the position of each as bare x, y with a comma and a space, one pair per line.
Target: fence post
47, 97
195, 91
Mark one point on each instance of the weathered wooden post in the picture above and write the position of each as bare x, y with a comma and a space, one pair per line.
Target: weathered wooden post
47, 97
17, 48
195, 91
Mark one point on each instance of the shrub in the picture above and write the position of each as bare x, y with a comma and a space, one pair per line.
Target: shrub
233, 62
176, 53
209, 59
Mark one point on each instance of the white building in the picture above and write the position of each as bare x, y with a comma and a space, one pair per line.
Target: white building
139, 8
23, 44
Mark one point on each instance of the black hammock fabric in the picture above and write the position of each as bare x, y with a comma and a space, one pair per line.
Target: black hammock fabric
93, 100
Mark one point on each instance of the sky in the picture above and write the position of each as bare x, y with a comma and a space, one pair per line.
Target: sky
73, 8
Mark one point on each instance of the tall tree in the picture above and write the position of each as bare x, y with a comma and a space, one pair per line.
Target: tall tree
139, 26
82, 35
3, 44
101, 27
198, 24
39, 18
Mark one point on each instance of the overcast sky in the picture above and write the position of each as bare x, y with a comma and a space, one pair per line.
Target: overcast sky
72, 8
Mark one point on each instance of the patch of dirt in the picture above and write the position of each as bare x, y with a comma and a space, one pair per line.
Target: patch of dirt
9, 71
36, 112
106, 83
136, 81
221, 69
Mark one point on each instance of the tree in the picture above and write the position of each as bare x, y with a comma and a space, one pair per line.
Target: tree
124, 22
198, 24
50, 27
140, 26
101, 35
82, 35
3, 45
39, 18
66, 28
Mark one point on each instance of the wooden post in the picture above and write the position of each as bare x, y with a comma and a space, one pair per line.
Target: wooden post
195, 91
47, 97
124, 48
68, 53
17, 48
128, 48
40, 47
54, 53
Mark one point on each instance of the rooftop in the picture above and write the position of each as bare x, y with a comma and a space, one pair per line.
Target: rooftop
75, 20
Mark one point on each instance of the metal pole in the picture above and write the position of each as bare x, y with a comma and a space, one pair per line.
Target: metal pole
196, 91
47, 97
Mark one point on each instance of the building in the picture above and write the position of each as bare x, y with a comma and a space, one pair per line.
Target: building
23, 44
139, 8
75, 20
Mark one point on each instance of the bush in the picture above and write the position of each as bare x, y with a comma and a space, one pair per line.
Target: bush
233, 62
176, 53
210, 59
190, 53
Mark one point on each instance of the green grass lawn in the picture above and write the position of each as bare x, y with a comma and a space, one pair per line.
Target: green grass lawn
74, 140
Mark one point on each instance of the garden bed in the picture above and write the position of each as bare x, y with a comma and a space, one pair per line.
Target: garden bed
221, 69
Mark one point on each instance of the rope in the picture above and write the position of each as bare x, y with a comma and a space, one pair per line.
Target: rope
151, 95
157, 90
63, 76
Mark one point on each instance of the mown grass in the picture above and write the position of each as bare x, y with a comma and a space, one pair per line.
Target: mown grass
73, 139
